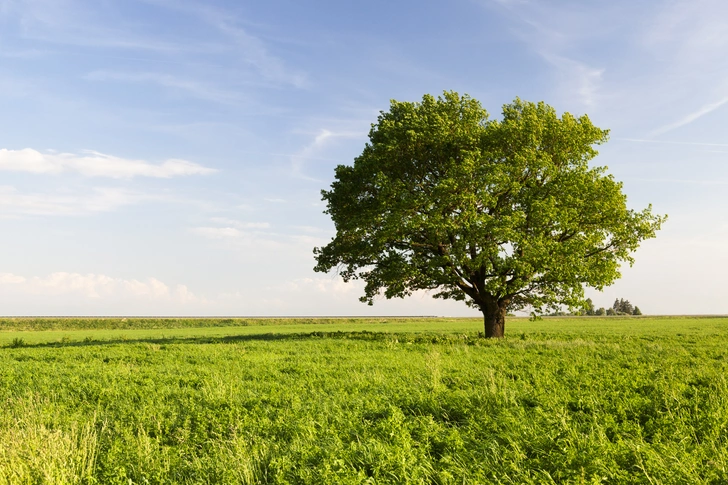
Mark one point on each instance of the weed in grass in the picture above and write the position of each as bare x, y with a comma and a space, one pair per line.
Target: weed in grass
17, 342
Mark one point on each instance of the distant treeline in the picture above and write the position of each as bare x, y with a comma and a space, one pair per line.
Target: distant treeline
111, 323
619, 307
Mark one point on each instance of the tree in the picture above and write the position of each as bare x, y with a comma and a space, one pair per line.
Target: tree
503, 214
626, 307
600, 311
589, 307
636, 311
622, 307
611, 311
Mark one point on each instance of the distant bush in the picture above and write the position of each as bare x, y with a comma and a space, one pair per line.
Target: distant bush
622, 307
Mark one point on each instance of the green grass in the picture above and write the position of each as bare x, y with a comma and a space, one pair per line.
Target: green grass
570, 400
107, 323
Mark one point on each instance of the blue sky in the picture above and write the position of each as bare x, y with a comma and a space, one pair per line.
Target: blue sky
165, 157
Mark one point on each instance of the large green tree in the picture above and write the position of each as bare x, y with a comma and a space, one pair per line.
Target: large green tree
502, 214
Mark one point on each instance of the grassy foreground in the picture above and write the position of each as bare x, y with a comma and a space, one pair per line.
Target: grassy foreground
592, 400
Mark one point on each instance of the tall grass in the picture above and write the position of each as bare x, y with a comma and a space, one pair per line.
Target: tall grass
552, 403
32, 450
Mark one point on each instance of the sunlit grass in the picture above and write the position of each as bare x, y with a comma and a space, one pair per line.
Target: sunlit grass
396, 401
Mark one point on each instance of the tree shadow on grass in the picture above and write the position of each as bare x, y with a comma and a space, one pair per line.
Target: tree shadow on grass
364, 335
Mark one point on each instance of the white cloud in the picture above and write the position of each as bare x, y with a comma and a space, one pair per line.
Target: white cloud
312, 229
332, 285
94, 164
100, 199
152, 288
92, 286
218, 232
240, 224
256, 244
238, 239
9, 278
320, 141
27, 160
238, 231
184, 295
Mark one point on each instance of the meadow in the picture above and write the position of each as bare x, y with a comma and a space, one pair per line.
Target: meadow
363, 401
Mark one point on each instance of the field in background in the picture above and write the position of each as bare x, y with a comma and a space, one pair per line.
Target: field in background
51, 331
386, 400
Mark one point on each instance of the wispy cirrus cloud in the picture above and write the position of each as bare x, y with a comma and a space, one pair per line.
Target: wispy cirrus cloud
215, 42
73, 23
95, 164
688, 37
255, 53
667, 58
552, 32
690, 117
692, 30
680, 181
577, 77
252, 50
674, 142
194, 88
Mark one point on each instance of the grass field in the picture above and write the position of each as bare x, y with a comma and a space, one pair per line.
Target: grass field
571, 400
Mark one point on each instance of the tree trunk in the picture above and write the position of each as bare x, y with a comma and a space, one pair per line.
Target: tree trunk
494, 318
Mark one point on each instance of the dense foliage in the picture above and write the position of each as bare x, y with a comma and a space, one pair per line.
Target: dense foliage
612, 400
502, 214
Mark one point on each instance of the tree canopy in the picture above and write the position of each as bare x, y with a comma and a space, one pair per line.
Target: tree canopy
503, 214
